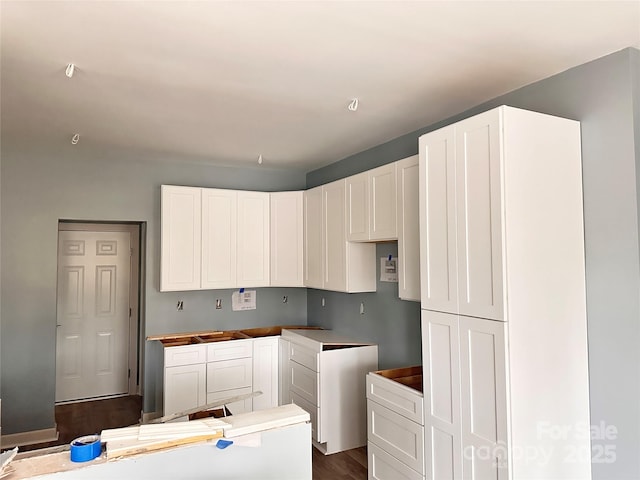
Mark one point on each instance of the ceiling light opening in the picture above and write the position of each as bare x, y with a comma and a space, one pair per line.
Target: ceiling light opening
75, 139
353, 106
71, 68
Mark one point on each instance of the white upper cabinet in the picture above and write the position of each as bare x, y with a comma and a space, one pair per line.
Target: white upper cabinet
358, 207
382, 203
313, 243
479, 215
331, 262
408, 228
219, 238
253, 239
181, 238
371, 205
460, 224
438, 275
335, 252
214, 238
287, 239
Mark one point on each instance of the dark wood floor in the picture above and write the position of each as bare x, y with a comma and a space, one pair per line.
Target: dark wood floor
84, 418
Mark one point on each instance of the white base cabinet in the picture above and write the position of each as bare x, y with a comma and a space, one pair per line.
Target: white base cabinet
395, 424
327, 379
195, 375
184, 378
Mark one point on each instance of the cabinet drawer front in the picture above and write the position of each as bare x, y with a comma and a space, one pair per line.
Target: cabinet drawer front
383, 466
242, 406
229, 374
230, 349
397, 397
304, 356
397, 435
185, 355
312, 410
304, 382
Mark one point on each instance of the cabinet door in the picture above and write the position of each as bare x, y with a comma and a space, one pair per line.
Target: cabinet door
181, 238
265, 372
219, 225
483, 398
335, 244
358, 207
253, 239
313, 248
184, 388
441, 378
479, 227
287, 228
438, 275
382, 203
408, 229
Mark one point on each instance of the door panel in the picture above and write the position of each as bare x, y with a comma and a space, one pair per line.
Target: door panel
438, 275
335, 246
313, 253
484, 397
93, 314
219, 246
443, 448
479, 236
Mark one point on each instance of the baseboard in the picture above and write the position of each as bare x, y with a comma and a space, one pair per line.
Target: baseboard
29, 438
147, 417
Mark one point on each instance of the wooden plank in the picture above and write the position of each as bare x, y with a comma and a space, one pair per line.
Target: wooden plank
261, 420
119, 434
176, 430
126, 449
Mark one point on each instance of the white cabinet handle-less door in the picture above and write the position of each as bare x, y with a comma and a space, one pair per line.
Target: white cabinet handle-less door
479, 213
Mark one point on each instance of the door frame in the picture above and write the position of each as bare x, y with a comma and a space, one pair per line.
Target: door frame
136, 231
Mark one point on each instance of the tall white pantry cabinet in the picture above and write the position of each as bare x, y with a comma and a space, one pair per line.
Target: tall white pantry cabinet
503, 298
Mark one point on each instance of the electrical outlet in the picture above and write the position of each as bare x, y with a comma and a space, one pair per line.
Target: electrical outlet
180, 306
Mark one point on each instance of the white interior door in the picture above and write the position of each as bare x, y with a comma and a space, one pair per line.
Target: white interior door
93, 314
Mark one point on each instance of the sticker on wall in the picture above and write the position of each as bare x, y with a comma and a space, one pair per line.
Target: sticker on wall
389, 269
243, 300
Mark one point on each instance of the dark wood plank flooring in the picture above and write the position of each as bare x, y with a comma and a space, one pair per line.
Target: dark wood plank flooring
84, 418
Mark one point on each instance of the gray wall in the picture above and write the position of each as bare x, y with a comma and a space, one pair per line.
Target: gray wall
604, 96
65, 182
392, 323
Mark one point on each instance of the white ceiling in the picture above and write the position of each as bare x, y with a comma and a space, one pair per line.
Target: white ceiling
222, 82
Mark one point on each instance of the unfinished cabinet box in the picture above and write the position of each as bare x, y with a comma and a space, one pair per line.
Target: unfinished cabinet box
395, 424
327, 375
